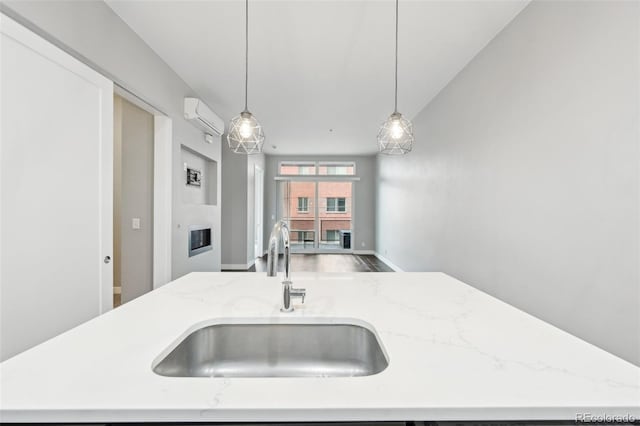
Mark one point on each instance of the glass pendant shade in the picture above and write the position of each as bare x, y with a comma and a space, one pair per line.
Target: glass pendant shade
396, 135
245, 134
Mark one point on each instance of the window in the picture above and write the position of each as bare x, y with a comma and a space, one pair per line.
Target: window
303, 204
297, 168
336, 169
317, 168
344, 168
333, 235
337, 205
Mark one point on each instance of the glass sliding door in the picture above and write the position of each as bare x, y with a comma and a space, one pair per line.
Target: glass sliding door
297, 207
319, 214
334, 215
316, 200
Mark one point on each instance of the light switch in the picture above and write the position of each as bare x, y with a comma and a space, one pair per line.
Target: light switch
135, 223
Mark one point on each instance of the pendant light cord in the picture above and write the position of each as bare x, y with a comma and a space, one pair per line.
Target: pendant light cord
246, 53
395, 108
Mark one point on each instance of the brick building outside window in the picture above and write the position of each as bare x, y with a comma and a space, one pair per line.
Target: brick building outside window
334, 202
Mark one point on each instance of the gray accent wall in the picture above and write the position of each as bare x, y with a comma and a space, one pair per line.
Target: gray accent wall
93, 33
524, 179
364, 192
234, 210
238, 201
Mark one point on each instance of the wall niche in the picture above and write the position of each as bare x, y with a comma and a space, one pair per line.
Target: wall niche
199, 178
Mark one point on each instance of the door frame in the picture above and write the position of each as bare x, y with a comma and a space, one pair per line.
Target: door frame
162, 199
258, 212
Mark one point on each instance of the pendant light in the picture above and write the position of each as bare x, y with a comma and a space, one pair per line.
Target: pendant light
245, 134
395, 136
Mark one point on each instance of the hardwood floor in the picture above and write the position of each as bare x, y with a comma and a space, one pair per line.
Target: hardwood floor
327, 263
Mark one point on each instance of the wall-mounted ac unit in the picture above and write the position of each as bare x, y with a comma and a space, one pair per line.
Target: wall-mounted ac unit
198, 112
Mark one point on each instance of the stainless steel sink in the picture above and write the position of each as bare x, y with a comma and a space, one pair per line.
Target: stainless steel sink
275, 350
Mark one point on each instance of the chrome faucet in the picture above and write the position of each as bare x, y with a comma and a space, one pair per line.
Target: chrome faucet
282, 229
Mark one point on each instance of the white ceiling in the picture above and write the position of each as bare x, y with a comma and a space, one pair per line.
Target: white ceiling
317, 65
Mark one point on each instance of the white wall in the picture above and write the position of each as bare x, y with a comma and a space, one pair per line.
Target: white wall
92, 32
524, 180
364, 219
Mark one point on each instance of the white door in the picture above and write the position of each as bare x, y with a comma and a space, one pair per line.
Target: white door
56, 183
259, 209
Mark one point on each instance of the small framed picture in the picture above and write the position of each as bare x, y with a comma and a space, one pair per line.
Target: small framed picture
194, 177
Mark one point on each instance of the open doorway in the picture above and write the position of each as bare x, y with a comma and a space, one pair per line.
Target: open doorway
133, 202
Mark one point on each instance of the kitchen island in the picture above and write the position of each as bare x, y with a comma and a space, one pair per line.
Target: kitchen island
454, 353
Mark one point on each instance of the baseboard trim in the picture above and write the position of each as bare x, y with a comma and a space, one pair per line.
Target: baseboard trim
388, 262
236, 266
364, 252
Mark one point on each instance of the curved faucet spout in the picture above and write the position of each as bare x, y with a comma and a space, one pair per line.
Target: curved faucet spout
280, 229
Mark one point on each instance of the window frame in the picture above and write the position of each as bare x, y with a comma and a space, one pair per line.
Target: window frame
306, 203
337, 205
336, 233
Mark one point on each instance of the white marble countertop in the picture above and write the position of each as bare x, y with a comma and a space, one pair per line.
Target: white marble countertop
455, 353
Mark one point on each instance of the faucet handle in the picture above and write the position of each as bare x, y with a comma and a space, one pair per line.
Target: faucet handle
299, 292
288, 293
